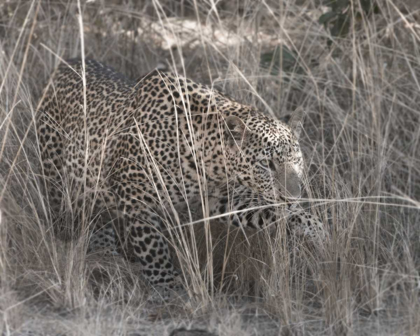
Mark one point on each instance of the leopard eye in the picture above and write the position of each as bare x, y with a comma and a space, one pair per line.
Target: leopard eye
264, 163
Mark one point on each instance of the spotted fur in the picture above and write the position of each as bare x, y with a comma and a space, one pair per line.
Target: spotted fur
144, 149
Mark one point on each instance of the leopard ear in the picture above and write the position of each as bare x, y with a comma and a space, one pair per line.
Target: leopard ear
235, 131
296, 122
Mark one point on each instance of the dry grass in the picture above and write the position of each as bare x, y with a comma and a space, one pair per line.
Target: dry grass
362, 150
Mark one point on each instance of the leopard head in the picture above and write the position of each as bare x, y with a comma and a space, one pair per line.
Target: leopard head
264, 154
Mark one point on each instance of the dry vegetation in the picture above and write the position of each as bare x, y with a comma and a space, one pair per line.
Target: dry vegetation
361, 142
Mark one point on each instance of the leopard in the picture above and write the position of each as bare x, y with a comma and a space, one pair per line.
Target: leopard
144, 148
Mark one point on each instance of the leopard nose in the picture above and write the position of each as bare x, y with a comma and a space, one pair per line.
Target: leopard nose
291, 183
293, 189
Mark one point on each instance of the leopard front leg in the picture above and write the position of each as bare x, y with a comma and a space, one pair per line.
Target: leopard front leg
247, 209
304, 224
